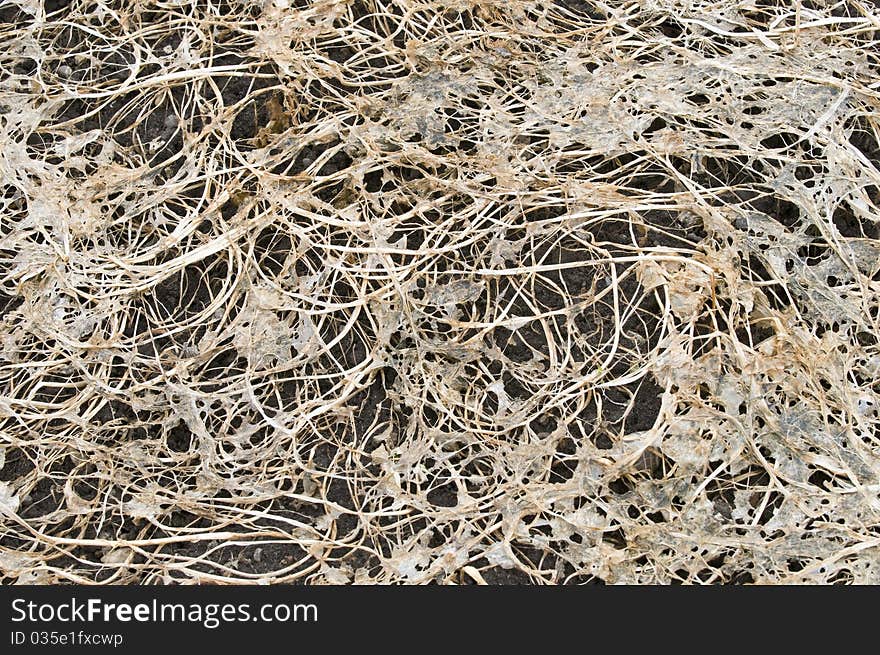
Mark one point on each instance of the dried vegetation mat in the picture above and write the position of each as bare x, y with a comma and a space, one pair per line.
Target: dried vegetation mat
408, 291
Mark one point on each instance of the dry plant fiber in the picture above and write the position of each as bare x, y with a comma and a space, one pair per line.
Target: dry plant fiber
439, 291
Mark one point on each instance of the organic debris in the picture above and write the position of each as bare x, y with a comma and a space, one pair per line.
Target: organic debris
409, 291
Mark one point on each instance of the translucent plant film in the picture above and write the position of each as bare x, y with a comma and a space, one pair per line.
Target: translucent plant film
439, 291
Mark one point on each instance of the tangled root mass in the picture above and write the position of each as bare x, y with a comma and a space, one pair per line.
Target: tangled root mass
408, 291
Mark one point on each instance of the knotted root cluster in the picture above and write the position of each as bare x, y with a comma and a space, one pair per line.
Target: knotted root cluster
409, 291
